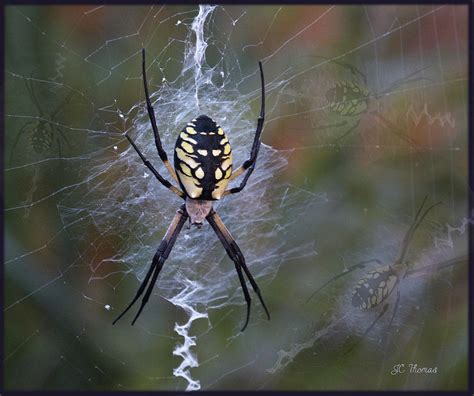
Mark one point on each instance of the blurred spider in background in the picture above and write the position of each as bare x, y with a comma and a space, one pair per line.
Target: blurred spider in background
44, 133
350, 100
375, 287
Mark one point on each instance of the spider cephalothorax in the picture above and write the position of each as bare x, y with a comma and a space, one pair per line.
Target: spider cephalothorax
203, 169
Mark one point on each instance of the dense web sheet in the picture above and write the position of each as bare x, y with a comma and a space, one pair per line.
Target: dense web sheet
338, 181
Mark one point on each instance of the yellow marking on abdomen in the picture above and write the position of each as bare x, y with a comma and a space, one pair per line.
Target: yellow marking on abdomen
187, 147
202, 152
215, 153
191, 131
227, 163
191, 163
219, 189
185, 169
190, 186
183, 156
199, 173
187, 138
227, 149
218, 174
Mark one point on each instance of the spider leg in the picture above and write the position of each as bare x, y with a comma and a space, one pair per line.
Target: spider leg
158, 260
249, 165
60, 156
405, 80
379, 316
336, 125
354, 70
347, 271
160, 178
33, 97
63, 135
395, 309
347, 132
151, 114
248, 300
385, 338
63, 104
411, 231
438, 266
17, 139
394, 128
237, 257
372, 325
59, 148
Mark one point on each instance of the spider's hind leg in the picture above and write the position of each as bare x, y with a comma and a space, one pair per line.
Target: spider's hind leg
158, 260
376, 320
367, 331
237, 257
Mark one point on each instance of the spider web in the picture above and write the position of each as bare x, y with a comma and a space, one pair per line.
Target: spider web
84, 216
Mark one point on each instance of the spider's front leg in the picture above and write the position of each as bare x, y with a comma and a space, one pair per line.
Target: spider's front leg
437, 266
151, 115
160, 178
237, 257
249, 165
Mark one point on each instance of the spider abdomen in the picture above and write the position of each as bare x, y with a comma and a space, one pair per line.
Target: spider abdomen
347, 98
203, 159
42, 138
374, 288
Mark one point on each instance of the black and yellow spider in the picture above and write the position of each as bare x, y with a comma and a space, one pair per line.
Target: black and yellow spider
350, 99
203, 169
377, 285
44, 133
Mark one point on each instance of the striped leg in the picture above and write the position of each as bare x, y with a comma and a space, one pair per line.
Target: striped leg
437, 266
367, 331
249, 165
411, 231
158, 260
160, 178
237, 257
151, 114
